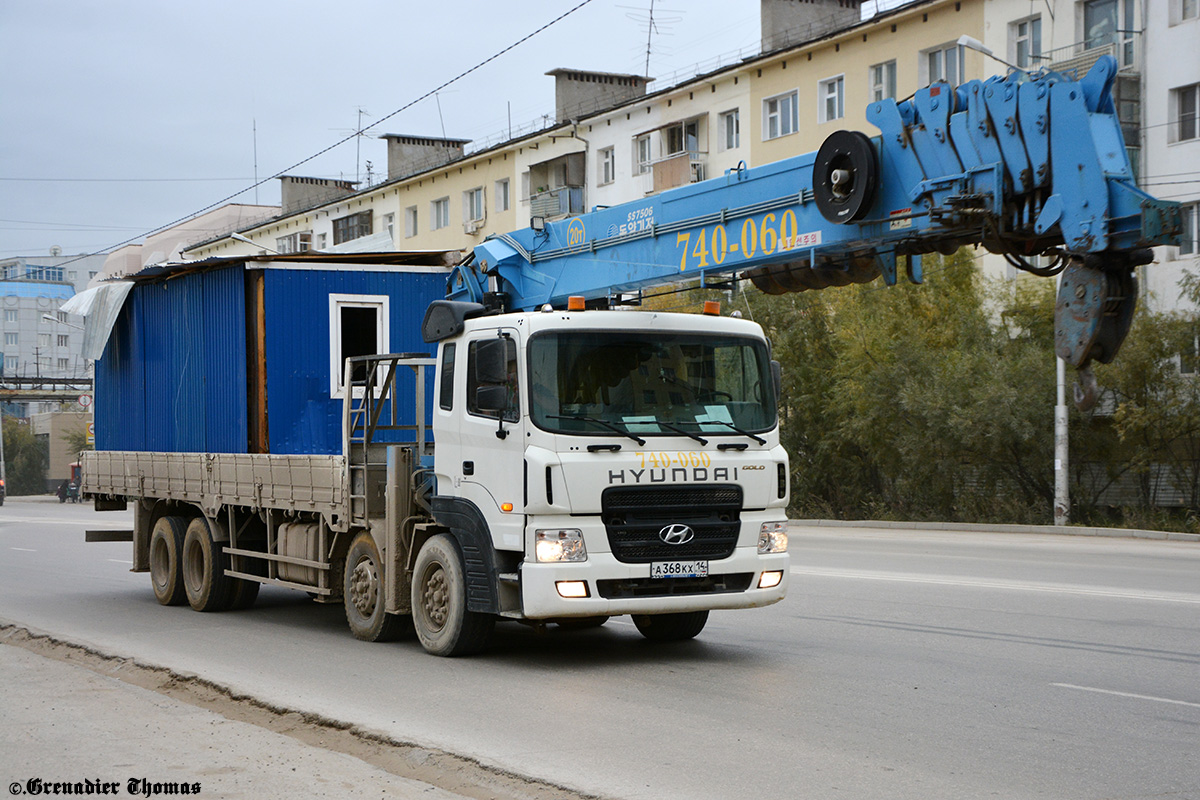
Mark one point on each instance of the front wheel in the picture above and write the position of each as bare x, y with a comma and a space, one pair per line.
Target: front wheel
444, 625
362, 594
671, 627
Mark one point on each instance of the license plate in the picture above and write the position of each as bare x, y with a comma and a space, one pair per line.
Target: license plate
679, 569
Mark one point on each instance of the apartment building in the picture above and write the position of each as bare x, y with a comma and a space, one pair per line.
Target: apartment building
619, 138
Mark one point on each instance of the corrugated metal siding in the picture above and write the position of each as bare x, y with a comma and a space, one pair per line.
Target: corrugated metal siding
175, 368
303, 416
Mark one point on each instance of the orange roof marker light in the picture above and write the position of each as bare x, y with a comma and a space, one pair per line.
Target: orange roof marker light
712, 308
575, 303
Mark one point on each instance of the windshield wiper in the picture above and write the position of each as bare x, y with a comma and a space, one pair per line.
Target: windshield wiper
602, 423
732, 427
671, 427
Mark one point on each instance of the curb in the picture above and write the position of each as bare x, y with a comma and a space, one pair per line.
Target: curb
975, 527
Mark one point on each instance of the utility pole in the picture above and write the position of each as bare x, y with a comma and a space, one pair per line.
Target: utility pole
1062, 500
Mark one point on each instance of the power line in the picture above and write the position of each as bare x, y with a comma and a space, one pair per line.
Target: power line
356, 134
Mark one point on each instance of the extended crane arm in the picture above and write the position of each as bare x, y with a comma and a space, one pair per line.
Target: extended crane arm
1023, 165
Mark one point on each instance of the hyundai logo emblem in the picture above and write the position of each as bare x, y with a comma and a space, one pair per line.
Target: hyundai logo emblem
677, 534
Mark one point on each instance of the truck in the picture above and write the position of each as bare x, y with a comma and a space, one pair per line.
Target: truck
560, 458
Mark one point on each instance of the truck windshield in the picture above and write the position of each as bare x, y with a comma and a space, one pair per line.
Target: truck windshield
592, 382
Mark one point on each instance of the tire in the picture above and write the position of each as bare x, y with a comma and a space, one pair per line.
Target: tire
166, 546
444, 625
362, 594
671, 627
203, 567
242, 593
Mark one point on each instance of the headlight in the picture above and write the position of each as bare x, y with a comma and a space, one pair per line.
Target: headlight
560, 545
772, 537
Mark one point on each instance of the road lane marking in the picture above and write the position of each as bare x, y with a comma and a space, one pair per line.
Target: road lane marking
983, 583
1127, 694
23, 549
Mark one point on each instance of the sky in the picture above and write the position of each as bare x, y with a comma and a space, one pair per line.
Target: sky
120, 117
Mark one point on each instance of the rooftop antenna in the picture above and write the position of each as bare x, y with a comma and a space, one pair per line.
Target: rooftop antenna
654, 25
254, 135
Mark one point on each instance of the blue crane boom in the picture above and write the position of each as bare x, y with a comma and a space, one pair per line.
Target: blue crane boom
1023, 165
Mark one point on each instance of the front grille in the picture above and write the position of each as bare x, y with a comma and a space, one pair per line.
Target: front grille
669, 587
634, 516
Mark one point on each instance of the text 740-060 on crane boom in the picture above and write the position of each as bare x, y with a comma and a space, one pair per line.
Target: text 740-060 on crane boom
573, 464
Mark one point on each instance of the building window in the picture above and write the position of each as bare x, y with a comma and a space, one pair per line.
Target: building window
1191, 230
389, 227
300, 242
642, 154
62, 316
10, 340
683, 138
780, 115
439, 213
10, 315
1026, 42
43, 340
883, 81
503, 200
833, 99
608, 165
473, 209
944, 64
11, 363
1108, 22
358, 326
410, 222
64, 364
64, 340
1182, 10
355, 226
1185, 103
731, 130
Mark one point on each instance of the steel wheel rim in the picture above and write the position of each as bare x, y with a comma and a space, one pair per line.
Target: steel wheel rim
364, 587
435, 598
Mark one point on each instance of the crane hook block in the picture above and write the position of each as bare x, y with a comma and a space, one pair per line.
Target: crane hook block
845, 176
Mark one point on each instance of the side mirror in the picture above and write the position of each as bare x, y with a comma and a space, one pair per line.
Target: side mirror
492, 398
777, 378
491, 361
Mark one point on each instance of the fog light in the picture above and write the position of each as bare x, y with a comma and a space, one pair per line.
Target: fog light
773, 538
769, 580
560, 545
573, 588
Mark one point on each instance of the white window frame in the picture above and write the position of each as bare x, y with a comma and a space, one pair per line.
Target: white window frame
1191, 231
643, 154
64, 340
1184, 11
607, 165
503, 194
389, 225
1175, 114
12, 340
1032, 36
11, 315
831, 91
783, 111
942, 52
12, 364
881, 78
299, 242
439, 213
382, 305
731, 130
474, 206
411, 222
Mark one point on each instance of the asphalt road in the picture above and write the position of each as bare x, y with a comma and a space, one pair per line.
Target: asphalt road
904, 664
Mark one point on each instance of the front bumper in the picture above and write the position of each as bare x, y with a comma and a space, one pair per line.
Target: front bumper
616, 588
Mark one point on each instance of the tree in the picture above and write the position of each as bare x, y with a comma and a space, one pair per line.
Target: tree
24, 459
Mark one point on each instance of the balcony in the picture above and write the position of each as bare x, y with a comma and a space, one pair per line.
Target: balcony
1124, 46
561, 202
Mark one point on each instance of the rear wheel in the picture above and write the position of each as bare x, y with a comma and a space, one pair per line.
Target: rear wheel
671, 627
166, 547
362, 594
204, 563
439, 600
